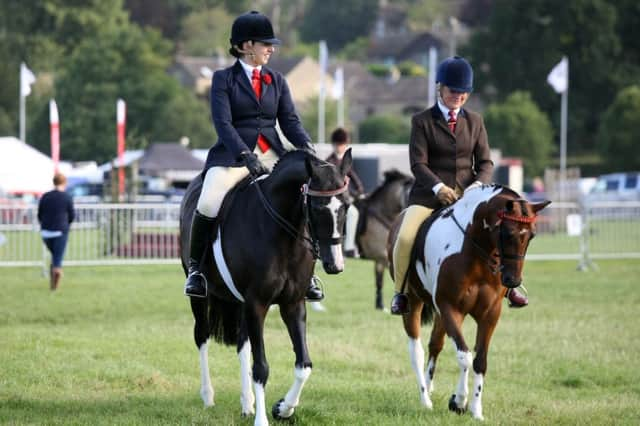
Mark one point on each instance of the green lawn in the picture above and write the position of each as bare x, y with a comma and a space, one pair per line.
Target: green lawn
114, 346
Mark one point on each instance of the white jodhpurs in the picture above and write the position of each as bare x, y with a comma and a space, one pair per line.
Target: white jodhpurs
220, 179
351, 227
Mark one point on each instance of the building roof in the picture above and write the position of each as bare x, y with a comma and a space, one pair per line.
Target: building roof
168, 156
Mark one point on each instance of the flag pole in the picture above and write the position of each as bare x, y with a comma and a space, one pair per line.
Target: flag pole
323, 59
563, 136
22, 117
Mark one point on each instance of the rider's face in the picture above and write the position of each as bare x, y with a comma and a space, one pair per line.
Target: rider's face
259, 53
451, 99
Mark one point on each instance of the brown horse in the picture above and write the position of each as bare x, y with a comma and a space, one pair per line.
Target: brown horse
377, 213
464, 259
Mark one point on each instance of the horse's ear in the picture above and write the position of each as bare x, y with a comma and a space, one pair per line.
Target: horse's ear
347, 161
539, 206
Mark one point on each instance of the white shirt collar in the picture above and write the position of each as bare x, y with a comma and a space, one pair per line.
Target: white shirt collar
445, 110
248, 69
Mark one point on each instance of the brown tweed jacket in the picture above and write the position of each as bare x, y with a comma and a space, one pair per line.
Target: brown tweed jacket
437, 155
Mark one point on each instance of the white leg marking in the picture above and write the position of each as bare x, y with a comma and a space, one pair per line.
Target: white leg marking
416, 353
431, 366
475, 406
465, 360
261, 410
247, 399
292, 398
206, 389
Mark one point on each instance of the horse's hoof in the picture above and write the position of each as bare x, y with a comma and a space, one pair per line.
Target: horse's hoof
454, 407
277, 413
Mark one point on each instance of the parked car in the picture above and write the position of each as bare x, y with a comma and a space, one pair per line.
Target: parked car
615, 187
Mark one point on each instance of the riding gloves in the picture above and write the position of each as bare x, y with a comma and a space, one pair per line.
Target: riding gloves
446, 195
253, 164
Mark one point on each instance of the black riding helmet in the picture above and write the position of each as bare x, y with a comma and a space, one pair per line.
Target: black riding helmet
252, 26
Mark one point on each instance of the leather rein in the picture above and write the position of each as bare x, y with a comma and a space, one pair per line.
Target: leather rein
496, 265
312, 243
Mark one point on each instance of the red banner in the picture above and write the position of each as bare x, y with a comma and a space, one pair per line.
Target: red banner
121, 123
55, 134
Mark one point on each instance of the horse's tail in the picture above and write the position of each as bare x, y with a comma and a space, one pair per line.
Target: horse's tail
224, 321
426, 316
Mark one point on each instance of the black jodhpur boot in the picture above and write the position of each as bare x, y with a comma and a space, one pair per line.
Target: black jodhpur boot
201, 229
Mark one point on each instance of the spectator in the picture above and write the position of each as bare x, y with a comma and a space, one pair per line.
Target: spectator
55, 214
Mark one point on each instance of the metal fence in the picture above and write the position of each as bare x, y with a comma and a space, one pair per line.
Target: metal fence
148, 233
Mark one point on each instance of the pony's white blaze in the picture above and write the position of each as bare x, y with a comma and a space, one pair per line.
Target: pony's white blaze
445, 238
338, 258
416, 353
206, 389
334, 207
247, 399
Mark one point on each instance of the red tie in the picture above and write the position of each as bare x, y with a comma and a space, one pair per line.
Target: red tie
256, 83
452, 121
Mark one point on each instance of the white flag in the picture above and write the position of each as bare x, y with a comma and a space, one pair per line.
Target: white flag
27, 78
338, 84
558, 78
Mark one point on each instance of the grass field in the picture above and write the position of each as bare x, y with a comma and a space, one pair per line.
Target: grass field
114, 346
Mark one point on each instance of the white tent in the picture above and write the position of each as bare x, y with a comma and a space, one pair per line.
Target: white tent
24, 169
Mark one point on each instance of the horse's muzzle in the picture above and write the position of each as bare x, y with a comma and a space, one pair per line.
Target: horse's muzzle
510, 281
333, 261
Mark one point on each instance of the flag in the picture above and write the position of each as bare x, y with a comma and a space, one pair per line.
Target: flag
54, 124
121, 113
338, 84
27, 78
558, 78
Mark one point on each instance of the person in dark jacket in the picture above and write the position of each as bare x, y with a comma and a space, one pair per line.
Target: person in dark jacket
55, 214
340, 140
246, 101
449, 154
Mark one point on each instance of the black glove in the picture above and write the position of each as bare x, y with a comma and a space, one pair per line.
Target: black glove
255, 166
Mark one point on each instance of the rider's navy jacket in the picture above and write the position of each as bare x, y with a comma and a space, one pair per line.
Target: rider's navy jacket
239, 116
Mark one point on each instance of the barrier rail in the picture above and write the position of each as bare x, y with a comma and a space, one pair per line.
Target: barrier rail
145, 233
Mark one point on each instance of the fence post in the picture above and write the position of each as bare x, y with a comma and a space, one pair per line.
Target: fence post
585, 261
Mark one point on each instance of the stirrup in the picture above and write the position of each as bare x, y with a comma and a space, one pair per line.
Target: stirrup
316, 283
194, 275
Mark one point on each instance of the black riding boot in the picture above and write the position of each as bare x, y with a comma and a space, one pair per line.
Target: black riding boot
314, 292
201, 229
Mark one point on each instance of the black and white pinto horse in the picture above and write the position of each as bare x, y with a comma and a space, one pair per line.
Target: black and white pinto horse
269, 235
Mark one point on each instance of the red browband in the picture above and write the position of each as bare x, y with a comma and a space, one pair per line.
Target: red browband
308, 191
521, 219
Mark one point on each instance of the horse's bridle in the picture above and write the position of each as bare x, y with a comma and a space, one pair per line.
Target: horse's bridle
313, 242
493, 264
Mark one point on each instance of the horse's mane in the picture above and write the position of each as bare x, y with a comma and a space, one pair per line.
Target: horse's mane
290, 156
390, 176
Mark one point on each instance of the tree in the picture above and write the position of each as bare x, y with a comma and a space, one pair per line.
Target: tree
384, 129
43, 34
619, 133
309, 117
124, 62
338, 21
524, 40
520, 129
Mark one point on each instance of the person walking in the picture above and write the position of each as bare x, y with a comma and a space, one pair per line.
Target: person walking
55, 214
247, 99
449, 154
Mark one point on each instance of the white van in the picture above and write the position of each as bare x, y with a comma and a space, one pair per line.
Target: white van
616, 187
